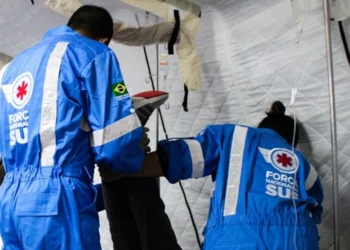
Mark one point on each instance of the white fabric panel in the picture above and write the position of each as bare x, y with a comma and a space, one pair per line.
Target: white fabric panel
340, 9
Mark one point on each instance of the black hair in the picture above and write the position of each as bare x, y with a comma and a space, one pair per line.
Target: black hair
95, 21
281, 123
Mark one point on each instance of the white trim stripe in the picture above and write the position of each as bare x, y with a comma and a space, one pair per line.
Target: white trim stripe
235, 170
49, 105
115, 130
197, 158
311, 178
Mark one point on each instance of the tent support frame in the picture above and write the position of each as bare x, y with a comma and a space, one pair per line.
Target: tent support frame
333, 124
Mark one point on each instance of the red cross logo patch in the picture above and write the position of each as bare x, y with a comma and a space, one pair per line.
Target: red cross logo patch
284, 160
22, 90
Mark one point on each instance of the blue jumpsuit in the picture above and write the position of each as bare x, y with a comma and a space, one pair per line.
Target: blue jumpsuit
257, 177
63, 108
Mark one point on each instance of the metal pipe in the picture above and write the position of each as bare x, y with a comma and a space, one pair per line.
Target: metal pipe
157, 88
158, 109
327, 21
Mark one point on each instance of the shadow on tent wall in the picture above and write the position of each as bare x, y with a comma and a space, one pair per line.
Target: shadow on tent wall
304, 141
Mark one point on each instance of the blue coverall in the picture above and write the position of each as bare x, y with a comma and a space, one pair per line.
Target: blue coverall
257, 177
64, 107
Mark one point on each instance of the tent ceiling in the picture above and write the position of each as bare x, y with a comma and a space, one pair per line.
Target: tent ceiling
21, 31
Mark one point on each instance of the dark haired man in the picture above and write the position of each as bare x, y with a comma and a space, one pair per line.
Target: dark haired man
64, 108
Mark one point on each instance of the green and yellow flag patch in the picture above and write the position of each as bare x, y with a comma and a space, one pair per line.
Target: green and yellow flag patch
119, 89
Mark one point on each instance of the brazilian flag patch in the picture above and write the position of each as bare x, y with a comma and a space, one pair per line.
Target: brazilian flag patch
119, 90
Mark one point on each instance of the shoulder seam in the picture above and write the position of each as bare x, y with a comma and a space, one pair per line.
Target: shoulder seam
94, 58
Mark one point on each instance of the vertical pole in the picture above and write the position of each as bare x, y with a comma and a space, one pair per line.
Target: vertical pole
157, 88
327, 21
157, 114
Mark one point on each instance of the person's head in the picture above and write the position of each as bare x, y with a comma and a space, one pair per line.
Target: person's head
281, 123
93, 22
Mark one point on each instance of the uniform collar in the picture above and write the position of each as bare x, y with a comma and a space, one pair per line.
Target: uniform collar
62, 30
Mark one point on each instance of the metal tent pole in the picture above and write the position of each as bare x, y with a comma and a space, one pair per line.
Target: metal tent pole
157, 88
327, 21
157, 114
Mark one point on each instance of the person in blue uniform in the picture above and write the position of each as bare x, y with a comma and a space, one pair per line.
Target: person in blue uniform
266, 194
64, 107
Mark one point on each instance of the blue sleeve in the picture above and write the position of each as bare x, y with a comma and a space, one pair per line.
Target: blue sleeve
190, 158
315, 194
116, 128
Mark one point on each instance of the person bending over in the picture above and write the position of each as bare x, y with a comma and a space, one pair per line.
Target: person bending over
64, 108
266, 194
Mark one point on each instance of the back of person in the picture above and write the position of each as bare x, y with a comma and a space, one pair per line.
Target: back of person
266, 195
40, 118
43, 105
64, 108
252, 205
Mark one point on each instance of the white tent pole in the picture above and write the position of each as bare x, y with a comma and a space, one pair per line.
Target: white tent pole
327, 21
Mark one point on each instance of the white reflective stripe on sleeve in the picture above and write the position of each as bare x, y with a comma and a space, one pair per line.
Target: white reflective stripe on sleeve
115, 130
49, 105
235, 170
197, 158
311, 178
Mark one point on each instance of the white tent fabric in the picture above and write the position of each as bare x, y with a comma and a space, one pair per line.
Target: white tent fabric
4, 59
123, 33
340, 9
160, 33
186, 50
248, 59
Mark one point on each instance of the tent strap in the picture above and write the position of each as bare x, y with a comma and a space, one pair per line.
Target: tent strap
343, 38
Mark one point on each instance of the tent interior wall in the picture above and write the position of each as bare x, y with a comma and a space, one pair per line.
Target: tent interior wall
249, 58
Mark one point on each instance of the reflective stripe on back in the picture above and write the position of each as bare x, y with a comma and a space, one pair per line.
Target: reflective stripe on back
49, 105
235, 170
